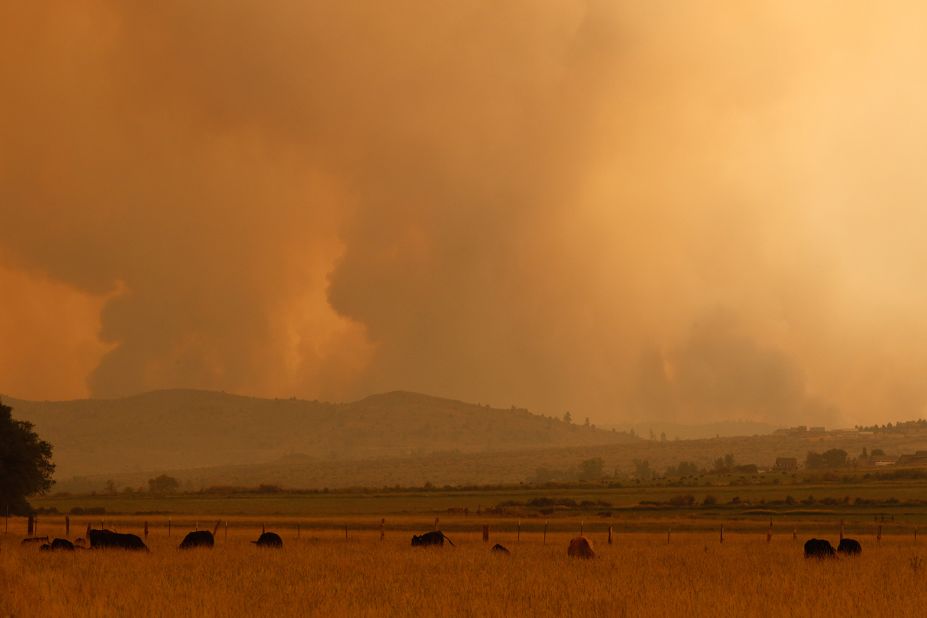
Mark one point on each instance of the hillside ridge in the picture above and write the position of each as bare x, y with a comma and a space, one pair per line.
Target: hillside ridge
184, 428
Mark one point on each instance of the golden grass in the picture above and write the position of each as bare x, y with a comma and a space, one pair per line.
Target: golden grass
321, 574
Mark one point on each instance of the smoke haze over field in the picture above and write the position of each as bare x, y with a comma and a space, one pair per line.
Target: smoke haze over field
684, 211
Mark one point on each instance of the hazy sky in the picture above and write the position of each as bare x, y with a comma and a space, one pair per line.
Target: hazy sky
632, 210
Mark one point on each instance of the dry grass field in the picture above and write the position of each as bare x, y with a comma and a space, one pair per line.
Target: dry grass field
323, 574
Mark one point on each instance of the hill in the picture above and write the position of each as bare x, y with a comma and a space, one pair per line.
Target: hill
185, 429
513, 466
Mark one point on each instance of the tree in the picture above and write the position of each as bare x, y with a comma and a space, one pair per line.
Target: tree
591, 469
163, 484
724, 464
642, 469
833, 458
25, 463
567, 417
110, 488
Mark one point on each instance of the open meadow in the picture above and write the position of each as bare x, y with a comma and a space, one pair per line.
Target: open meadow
328, 572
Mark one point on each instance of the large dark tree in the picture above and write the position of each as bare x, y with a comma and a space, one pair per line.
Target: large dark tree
25, 463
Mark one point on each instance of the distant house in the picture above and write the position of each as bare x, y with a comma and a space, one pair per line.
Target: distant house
919, 458
786, 464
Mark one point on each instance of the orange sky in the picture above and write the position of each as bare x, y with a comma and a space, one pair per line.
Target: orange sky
684, 211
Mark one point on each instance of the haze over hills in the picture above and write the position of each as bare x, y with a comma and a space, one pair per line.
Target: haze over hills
185, 429
695, 431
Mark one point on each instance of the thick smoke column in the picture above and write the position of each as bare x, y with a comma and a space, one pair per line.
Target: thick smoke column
670, 210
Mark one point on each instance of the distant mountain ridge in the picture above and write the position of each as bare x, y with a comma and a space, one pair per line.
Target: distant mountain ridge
183, 429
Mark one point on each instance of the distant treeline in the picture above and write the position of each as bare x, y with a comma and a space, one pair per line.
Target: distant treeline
899, 427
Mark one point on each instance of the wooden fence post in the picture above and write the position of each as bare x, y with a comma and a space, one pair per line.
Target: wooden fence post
436, 523
841, 529
722, 533
67, 525
226, 531
146, 530
769, 533
30, 526
581, 525
794, 534
546, 523
382, 528
668, 533
609, 535
915, 534
518, 532
879, 535
168, 526
298, 532
345, 532
486, 533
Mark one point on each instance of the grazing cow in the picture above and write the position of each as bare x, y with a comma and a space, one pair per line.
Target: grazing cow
580, 547
200, 538
62, 545
849, 547
500, 550
107, 539
269, 539
430, 538
819, 548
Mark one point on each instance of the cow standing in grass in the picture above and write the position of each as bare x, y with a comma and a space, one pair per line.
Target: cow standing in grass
107, 539
819, 548
200, 538
849, 547
435, 538
269, 539
580, 547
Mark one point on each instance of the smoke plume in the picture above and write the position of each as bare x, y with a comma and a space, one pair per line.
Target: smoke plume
629, 210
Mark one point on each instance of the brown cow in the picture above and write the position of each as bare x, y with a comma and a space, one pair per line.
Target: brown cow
580, 547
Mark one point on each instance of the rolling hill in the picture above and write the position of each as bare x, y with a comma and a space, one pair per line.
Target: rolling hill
187, 429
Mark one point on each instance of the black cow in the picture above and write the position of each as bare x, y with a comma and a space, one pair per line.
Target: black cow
62, 545
107, 539
198, 538
269, 539
850, 547
499, 549
430, 538
819, 548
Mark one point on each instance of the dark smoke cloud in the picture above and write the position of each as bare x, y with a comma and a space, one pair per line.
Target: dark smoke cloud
547, 205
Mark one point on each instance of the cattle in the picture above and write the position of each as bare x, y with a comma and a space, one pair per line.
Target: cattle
62, 545
580, 547
269, 539
500, 550
819, 548
849, 547
200, 538
430, 539
107, 539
